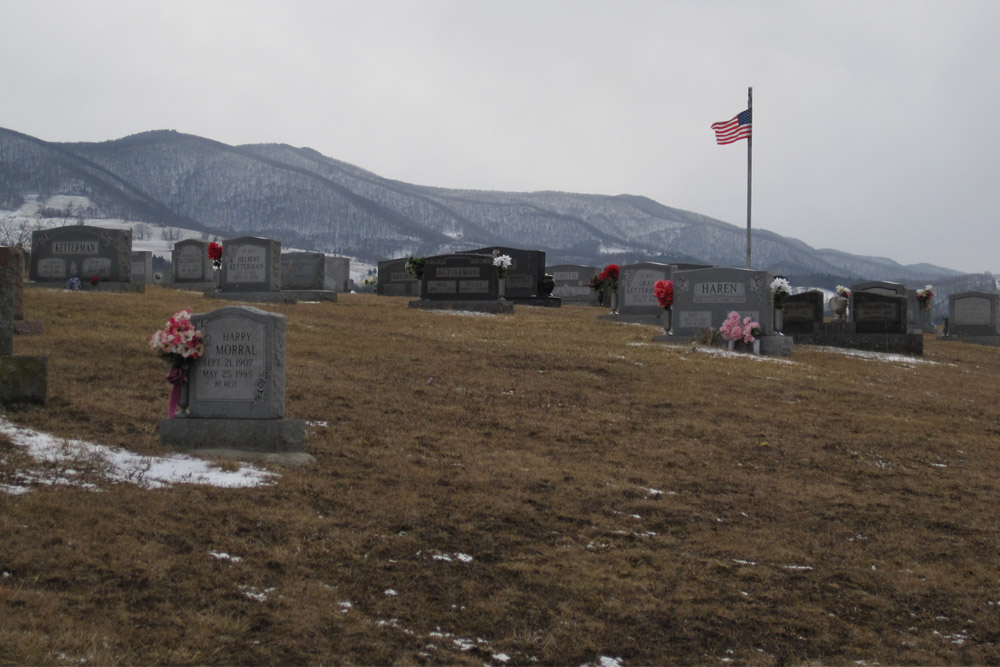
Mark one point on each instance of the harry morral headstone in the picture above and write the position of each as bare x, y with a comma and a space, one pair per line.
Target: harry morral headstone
237, 389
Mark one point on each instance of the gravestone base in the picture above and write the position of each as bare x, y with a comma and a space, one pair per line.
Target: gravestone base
28, 327
23, 379
976, 340
898, 343
107, 286
654, 320
194, 287
253, 297
311, 294
543, 301
499, 306
240, 435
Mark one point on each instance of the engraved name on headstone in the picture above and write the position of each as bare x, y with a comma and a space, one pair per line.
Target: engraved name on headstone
251, 264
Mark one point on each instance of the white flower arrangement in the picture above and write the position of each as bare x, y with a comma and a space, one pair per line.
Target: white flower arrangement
502, 264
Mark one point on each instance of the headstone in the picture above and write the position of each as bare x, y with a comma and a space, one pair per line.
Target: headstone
875, 313
83, 252
338, 274
251, 264
703, 298
237, 388
191, 263
880, 287
803, 312
142, 267
974, 314
527, 268
22, 379
463, 282
393, 279
572, 283
636, 298
302, 270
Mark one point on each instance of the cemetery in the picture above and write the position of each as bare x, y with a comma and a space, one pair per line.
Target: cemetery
546, 488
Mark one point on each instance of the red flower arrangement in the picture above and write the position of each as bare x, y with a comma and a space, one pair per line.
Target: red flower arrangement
94, 280
215, 254
664, 291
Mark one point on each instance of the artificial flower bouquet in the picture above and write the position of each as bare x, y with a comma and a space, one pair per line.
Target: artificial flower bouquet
781, 291
664, 291
215, 254
415, 267
843, 291
178, 340
925, 297
734, 329
609, 277
502, 264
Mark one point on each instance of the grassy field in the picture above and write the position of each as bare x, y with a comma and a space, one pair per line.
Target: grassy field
542, 488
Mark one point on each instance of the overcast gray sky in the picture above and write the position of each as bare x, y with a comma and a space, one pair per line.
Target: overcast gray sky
873, 119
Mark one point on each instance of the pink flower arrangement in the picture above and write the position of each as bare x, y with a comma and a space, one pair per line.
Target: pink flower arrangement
178, 339
664, 291
746, 330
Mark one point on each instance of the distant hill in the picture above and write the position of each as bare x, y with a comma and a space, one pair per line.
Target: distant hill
311, 201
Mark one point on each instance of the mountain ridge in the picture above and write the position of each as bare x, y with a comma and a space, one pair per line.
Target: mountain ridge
313, 201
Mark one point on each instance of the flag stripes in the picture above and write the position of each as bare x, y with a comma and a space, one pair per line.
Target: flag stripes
738, 127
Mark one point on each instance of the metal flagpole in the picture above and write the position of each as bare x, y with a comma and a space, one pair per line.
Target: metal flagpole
749, 168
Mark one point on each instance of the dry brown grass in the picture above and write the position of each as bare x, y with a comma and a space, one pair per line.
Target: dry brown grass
618, 498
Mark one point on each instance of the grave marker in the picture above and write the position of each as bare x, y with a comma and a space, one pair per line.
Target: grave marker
251, 264
875, 312
974, 314
22, 379
703, 298
394, 280
462, 282
83, 252
572, 283
191, 263
142, 267
803, 312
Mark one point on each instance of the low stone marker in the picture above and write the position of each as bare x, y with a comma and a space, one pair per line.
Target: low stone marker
237, 389
100, 258
974, 317
304, 275
803, 312
142, 267
394, 280
572, 284
525, 281
337, 276
22, 379
461, 282
14, 258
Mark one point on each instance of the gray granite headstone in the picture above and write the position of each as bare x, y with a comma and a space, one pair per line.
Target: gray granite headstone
875, 312
635, 288
703, 298
251, 264
142, 267
242, 373
880, 287
803, 312
61, 253
337, 276
974, 314
191, 263
393, 280
22, 379
526, 270
572, 283
460, 277
302, 271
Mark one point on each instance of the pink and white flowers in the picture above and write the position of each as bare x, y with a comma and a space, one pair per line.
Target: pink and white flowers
178, 339
843, 291
925, 296
734, 329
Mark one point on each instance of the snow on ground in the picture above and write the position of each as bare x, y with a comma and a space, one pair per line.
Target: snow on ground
117, 465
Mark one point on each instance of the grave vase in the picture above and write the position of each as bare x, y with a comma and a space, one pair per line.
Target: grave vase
732, 345
614, 302
756, 346
779, 320
667, 319
501, 288
838, 306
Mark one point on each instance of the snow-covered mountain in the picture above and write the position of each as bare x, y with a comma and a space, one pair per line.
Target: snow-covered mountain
311, 201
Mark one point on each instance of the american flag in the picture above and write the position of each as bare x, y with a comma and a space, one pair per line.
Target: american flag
734, 129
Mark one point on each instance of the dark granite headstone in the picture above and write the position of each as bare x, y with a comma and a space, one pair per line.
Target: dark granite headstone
526, 270
460, 277
302, 270
83, 252
393, 279
879, 313
803, 312
13, 258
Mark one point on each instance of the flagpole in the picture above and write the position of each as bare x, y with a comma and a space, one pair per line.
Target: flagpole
749, 169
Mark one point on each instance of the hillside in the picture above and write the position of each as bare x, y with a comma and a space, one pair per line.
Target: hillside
312, 201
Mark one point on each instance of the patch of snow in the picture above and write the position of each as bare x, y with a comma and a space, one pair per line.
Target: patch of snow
876, 356
221, 555
122, 466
